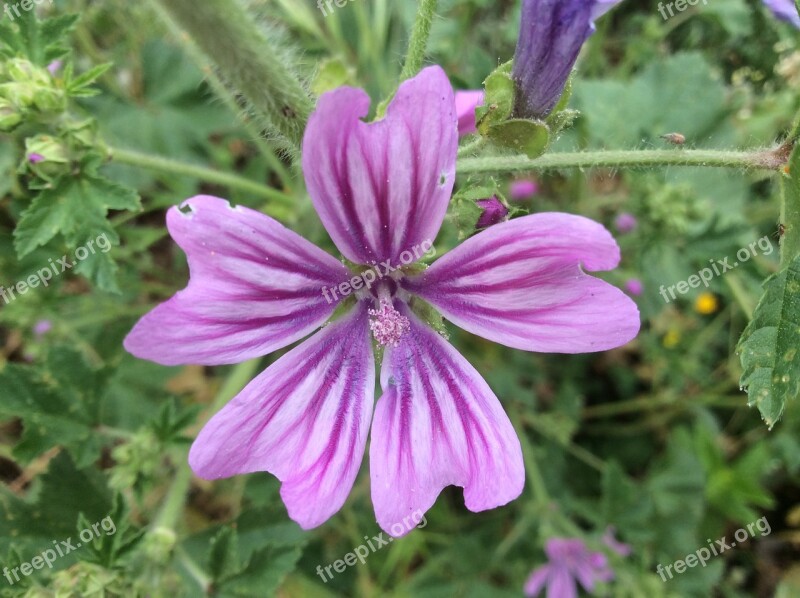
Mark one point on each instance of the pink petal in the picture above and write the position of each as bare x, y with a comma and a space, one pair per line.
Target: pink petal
305, 420
520, 284
438, 424
383, 188
466, 103
255, 287
561, 585
537, 581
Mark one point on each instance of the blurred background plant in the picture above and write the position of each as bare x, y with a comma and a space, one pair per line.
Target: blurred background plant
112, 116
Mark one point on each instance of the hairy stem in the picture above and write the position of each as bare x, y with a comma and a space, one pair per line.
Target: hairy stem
419, 39
758, 159
249, 62
202, 173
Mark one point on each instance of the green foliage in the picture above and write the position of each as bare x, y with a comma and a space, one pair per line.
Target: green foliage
769, 346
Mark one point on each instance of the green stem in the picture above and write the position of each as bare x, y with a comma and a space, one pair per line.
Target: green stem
249, 62
167, 165
226, 95
176, 496
758, 159
419, 39
417, 44
790, 212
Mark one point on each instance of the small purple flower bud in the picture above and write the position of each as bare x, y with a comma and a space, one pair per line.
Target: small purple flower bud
523, 189
634, 287
785, 10
55, 66
35, 158
552, 33
466, 103
494, 212
626, 223
42, 327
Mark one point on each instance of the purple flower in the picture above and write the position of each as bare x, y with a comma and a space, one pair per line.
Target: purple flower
382, 190
466, 103
35, 158
634, 287
785, 10
552, 33
523, 189
55, 66
42, 327
613, 544
494, 212
570, 563
626, 223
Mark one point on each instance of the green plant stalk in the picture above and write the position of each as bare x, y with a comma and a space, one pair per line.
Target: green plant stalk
790, 213
752, 160
167, 165
227, 35
419, 39
227, 96
417, 44
175, 500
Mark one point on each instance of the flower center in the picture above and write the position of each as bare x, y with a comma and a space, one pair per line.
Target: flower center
387, 324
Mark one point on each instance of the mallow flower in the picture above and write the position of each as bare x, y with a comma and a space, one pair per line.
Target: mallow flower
552, 33
570, 562
381, 190
785, 10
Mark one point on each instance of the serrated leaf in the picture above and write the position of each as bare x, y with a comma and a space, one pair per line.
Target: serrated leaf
770, 344
76, 208
263, 574
59, 405
32, 526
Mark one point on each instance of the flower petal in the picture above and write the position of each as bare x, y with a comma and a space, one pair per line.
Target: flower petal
255, 287
305, 420
561, 584
382, 188
537, 581
466, 104
520, 284
438, 424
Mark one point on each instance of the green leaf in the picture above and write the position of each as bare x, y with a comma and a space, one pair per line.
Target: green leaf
770, 344
524, 136
39, 41
499, 102
59, 405
53, 515
76, 207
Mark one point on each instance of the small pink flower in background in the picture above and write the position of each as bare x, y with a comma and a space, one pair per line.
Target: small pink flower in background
634, 287
610, 540
523, 189
42, 327
626, 223
382, 190
466, 103
494, 212
55, 66
35, 158
569, 562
